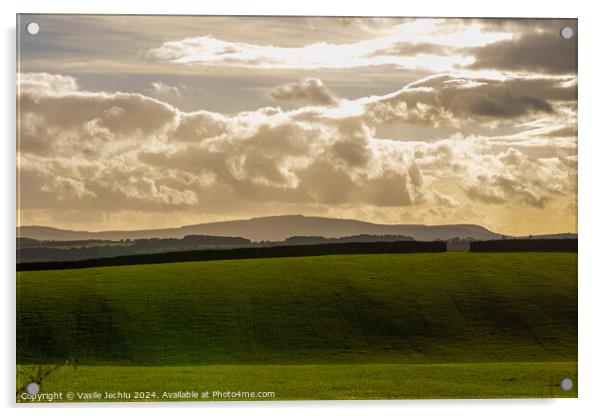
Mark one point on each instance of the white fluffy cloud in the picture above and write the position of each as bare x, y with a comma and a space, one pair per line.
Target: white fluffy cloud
46, 84
160, 89
134, 151
120, 152
308, 91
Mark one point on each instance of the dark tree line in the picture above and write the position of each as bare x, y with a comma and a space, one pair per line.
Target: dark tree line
245, 253
526, 244
46, 258
31, 250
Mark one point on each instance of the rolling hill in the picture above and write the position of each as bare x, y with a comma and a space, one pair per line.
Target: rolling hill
276, 228
384, 308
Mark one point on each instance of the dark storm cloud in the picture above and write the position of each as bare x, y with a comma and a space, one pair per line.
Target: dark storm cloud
499, 189
537, 51
447, 98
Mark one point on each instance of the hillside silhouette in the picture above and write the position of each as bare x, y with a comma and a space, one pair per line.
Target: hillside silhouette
274, 228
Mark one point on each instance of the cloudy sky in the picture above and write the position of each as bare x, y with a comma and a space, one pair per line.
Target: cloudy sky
143, 122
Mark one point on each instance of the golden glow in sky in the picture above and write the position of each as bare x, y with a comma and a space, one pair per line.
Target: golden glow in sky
182, 120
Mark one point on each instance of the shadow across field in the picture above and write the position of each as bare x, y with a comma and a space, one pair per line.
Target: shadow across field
376, 308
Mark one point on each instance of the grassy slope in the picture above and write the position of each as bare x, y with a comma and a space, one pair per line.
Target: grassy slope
408, 308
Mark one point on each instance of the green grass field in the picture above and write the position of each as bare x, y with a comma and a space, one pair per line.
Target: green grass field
325, 381
338, 327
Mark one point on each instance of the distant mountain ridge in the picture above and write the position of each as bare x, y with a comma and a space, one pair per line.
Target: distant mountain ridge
275, 228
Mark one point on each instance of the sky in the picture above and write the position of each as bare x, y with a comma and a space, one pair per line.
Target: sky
138, 122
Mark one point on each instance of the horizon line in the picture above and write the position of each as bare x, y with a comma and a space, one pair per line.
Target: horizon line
279, 216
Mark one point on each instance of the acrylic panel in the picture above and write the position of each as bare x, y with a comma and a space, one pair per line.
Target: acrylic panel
295, 208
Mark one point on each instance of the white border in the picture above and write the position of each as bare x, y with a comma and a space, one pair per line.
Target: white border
590, 209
